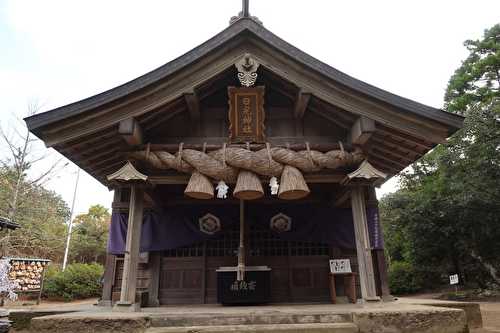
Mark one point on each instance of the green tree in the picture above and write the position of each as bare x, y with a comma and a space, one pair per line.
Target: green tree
90, 235
477, 80
23, 199
445, 218
42, 215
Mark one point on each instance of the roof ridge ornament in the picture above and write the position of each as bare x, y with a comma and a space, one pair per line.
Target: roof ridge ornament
245, 13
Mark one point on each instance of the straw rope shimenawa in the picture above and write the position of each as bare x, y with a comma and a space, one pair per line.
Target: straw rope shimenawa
225, 164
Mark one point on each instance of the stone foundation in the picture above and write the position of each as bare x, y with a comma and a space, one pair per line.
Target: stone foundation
370, 318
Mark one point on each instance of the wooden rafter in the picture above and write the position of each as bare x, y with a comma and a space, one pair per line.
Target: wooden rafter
401, 147
348, 117
389, 158
193, 107
405, 137
161, 121
382, 157
89, 139
114, 156
331, 117
376, 146
98, 151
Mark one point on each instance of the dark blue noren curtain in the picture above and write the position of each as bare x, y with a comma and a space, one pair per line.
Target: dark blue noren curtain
179, 226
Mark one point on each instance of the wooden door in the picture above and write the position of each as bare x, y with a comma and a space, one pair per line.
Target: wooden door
182, 276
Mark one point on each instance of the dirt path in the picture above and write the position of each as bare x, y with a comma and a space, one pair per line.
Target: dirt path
491, 318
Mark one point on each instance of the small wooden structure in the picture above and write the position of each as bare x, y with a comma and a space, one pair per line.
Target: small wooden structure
29, 274
243, 110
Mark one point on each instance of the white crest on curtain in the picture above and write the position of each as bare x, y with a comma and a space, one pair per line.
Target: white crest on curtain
209, 224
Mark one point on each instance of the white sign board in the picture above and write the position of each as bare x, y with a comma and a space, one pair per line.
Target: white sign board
339, 266
454, 279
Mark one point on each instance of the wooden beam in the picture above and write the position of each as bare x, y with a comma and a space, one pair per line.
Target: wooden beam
285, 142
193, 106
181, 179
341, 197
131, 131
361, 131
301, 103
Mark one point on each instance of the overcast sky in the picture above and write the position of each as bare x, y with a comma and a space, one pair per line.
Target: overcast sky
57, 52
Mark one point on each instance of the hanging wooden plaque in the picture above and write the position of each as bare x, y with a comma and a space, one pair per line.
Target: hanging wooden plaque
246, 114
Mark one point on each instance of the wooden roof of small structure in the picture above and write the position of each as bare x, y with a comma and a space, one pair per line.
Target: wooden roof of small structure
88, 129
5, 223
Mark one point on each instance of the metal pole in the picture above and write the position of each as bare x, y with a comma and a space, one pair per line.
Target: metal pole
246, 8
68, 239
240, 276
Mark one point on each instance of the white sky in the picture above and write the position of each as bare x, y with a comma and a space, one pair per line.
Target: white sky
57, 52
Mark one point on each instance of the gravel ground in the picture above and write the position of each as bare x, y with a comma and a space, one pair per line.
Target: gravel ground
491, 318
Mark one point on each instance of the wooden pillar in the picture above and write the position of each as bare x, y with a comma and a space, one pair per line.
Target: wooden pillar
108, 278
378, 256
131, 260
154, 278
109, 267
363, 248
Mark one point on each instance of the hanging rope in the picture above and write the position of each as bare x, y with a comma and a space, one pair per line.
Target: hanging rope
223, 164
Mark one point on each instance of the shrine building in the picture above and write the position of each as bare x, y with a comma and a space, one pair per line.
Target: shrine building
240, 169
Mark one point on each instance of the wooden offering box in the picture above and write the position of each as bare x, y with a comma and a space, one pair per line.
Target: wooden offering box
254, 289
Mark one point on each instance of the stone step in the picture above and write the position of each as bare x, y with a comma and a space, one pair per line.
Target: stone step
258, 318
278, 328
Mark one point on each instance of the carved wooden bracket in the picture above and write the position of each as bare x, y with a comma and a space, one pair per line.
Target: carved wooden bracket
361, 131
131, 131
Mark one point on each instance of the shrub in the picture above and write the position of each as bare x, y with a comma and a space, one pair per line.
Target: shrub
403, 278
78, 281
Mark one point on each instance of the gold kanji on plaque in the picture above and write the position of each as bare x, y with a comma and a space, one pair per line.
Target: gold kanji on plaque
246, 114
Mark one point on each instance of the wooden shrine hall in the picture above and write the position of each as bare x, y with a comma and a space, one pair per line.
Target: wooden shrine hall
243, 167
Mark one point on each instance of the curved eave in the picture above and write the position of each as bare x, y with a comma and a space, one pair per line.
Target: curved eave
35, 122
